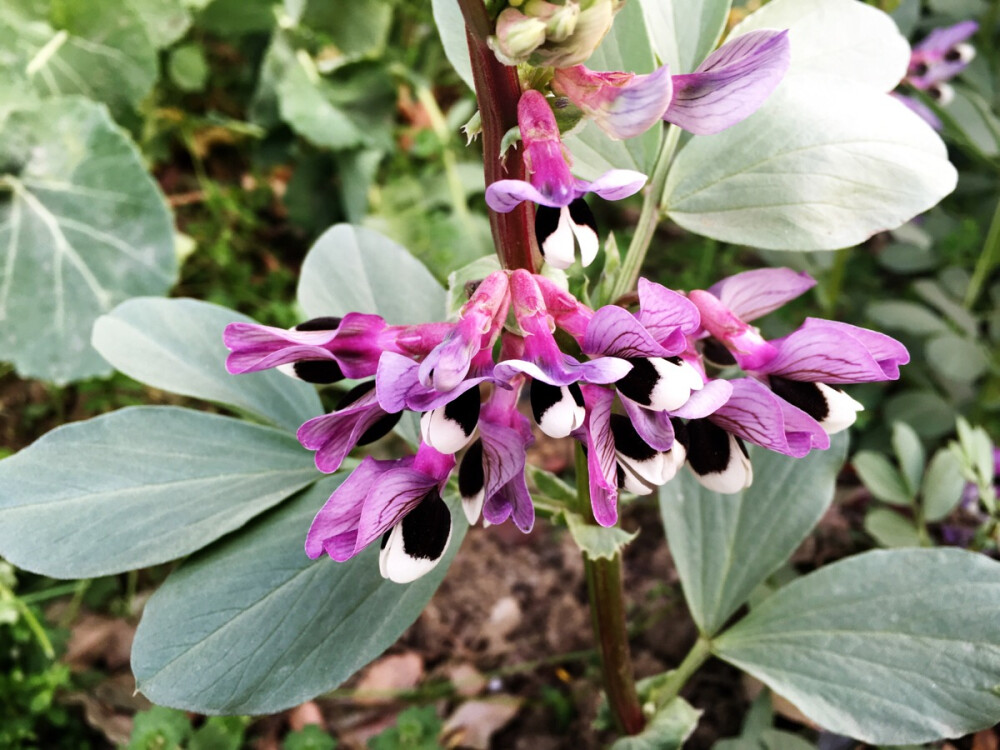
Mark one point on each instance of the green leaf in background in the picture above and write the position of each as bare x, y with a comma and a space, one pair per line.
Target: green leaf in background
140, 486
910, 453
882, 479
824, 164
359, 27
890, 529
356, 269
669, 727
909, 317
972, 113
451, 27
956, 358
597, 542
477, 270
230, 18
683, 32
99, 49
165, 21
176, 345
188, 68
725, 545
626, 47
840, 38
887, 647
305, 104
769, 739
82, 227
929, 414
253, 626
943, 485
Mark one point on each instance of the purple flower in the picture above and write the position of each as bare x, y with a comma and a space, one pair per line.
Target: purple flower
556, 400
398, 500
325, 350
491, 474
731, 84
942, 55
623, 105
562, 213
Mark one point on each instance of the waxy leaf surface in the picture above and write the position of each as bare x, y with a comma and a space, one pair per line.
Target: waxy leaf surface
683, 32
888, 647
138, 487
825, 163
176, 345
254, 626
725, 545
352, 269
451, 27
82, 227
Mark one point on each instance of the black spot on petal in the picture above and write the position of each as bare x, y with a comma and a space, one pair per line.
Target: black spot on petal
581, 214
920, 69
426, 528
953, 55
318, 371
576, 393
543, 397
681, 433
546, 222
708, 449
464, 410
327, 323
354, 394
716, 353
639, 382
935, 92
380, 429
806, 396
471, 477
627, 440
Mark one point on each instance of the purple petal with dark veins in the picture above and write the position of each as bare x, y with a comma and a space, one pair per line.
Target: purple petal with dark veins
755, 414
503, 196
614, 331
753, 294
707, 401
334, 530
731, 84
503, 455
614, 184
666, 315
334, 435
654, 427
512, 501
565, 370
831, 352
398, 386
601, 461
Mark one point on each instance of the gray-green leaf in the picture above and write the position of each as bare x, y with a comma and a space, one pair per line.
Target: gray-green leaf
82, 227
887, 647
881, 478
176, 345
597, 541
910, 453
943, 485
725, 545
683, 32
890, 529
253, 626
138, 487
667, 730
356, 269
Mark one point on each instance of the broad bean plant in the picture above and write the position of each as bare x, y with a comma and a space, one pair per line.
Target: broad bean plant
810, 125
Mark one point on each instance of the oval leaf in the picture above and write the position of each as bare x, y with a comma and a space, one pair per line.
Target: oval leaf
882, 479
824, 164
176, 345
842, 38
82, 227
138, 487
888, 647
254, 626
943, 485
725, 545
352, 269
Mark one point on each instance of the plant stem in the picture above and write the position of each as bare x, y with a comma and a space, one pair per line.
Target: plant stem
649, 217
988, 259
497, 92
678, 678
607, 611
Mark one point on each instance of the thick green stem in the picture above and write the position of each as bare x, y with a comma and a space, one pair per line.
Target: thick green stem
988, 260
607, 612
649, 217
497, 92
677, 679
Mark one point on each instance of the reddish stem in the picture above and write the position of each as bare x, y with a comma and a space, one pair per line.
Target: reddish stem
498, 91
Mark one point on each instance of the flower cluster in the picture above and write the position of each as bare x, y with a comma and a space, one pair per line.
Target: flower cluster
941, 56
725, 89
635, 390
